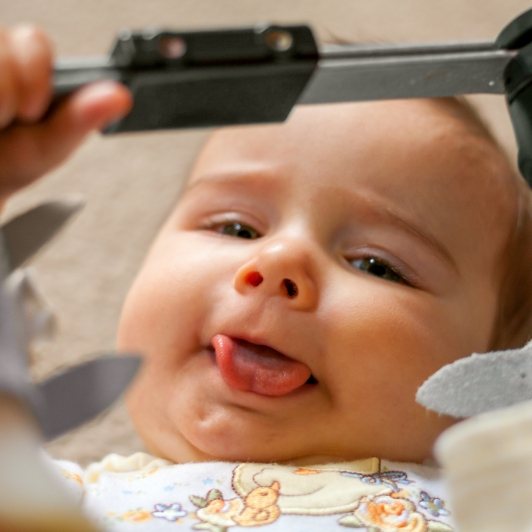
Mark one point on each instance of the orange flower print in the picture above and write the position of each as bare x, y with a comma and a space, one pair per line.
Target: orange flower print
69, 475
137, 516
388, 513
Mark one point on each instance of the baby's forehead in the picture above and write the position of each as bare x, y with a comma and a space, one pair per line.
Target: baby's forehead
427, 120
443, 130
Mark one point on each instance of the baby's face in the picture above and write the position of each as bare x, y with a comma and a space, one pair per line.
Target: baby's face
312, 276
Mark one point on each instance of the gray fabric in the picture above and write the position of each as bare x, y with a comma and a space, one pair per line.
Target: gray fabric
76, 395
28, 232
73, 396
479, 383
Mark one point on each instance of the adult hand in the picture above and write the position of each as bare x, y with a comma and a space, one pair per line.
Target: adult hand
32, 139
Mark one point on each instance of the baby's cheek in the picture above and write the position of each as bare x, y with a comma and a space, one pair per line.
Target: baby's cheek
141, 316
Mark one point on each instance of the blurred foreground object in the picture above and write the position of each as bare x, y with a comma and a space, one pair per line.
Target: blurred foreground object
33, 498
32, 495
479, 383
488, 465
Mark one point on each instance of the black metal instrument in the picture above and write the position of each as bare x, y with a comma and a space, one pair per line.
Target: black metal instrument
255, 75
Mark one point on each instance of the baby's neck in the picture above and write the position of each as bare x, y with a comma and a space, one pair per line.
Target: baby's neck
313, 460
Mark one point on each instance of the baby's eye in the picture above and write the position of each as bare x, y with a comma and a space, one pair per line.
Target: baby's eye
238, 230
379, 268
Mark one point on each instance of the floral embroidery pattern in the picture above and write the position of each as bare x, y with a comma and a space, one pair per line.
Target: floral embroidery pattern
390, 478
259, 507
434, 505
137, 515
170, 512
385, 513
367, 497
75, 477
390, 513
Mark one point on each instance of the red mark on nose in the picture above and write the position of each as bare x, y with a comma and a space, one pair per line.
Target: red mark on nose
254, 278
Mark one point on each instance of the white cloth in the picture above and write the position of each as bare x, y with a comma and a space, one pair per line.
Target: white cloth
488, 467
141, 492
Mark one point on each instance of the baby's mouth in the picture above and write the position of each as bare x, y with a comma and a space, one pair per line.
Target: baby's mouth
258, 368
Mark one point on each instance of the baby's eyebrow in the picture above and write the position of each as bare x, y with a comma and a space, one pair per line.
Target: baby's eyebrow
386, 212
427, 238
248, 176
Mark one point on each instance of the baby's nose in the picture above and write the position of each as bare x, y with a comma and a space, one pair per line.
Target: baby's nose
281, 269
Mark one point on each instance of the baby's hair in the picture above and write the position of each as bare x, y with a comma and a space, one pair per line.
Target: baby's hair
513, 327
514, 323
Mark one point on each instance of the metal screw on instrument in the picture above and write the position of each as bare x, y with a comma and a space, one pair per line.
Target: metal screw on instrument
279, 40
172, 47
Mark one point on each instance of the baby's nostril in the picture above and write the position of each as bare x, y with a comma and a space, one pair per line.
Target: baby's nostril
254, 278
290, 287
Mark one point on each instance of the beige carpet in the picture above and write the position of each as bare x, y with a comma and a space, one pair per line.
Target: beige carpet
130, 181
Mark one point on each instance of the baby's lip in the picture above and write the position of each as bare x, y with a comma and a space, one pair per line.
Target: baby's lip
255, 367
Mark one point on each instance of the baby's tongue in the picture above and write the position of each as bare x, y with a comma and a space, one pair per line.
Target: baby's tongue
257, 368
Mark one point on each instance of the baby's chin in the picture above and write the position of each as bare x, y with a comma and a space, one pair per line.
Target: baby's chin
190, 446
192, 454
179, 448
195, 444
204, 433
200, 450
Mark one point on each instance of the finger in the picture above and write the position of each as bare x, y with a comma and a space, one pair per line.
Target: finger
8, 85
92, 107
29, 151
32, 55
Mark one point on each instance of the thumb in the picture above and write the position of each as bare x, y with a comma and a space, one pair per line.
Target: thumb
29, 151
92, 107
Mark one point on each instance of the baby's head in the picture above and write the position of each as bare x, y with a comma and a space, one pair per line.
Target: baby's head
315, 273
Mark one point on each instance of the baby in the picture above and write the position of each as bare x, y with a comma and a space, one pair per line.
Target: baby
312, 275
